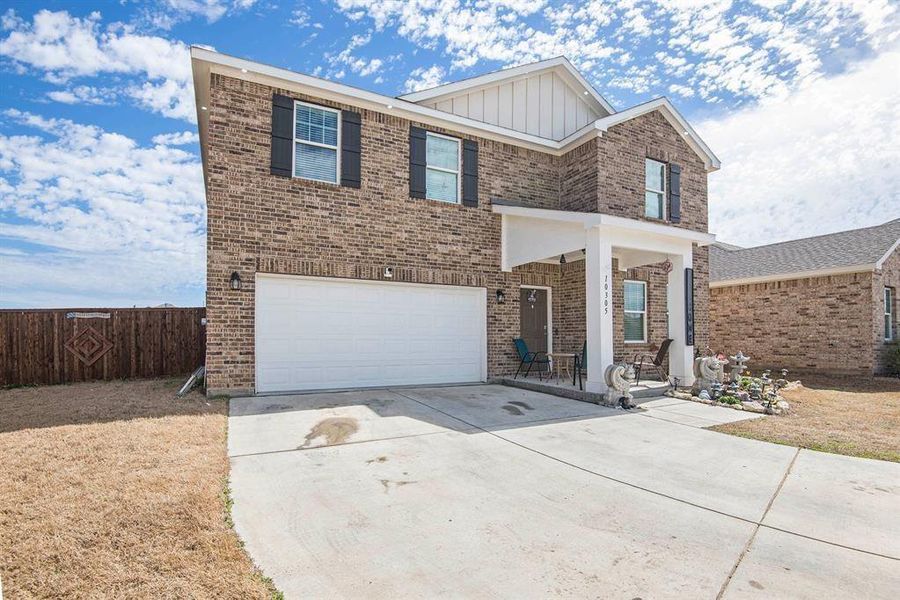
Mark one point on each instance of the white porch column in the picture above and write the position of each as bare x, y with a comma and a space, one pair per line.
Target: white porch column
681, 355
598, 308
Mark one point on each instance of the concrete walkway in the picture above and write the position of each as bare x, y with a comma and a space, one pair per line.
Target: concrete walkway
489, 491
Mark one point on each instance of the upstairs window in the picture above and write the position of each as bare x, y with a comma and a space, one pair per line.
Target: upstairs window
888, 314
316, 139
442, 160
654, 189
635, 311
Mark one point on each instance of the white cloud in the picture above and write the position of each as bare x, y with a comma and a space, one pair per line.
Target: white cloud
83, 94
824, 159
718, 48
64, 47
114, 221
345, 58
421, 78
176, 139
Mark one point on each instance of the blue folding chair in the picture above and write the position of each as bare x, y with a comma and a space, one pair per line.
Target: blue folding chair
526, 357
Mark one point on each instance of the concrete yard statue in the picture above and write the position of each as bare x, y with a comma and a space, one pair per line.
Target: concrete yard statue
709, 370
619, 378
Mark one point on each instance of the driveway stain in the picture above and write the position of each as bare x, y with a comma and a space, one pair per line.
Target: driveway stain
379, 459
757, 585
521, 404
513, 410
335, 430
387, 483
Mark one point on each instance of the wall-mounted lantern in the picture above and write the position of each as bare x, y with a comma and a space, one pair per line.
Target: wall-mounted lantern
562, 259
501, 297
235, 281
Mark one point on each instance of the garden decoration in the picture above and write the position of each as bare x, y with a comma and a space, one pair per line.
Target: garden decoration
619, 378
715, 390
737, 365
755, 390
708, 370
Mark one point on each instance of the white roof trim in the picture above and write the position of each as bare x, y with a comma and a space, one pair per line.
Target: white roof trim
560, 64
674, 117
599, 219
880, 261
864, 268
205, 61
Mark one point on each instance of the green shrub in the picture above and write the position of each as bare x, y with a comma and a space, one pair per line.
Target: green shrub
728, 399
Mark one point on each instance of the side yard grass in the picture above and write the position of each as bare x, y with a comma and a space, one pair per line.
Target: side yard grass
852, 416
117, 489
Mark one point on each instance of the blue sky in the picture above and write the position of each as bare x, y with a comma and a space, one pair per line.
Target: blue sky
101, 194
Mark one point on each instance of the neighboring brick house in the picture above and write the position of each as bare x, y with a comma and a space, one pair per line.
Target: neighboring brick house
825, 303
360, 240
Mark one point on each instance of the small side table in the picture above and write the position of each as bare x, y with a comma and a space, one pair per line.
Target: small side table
562, 360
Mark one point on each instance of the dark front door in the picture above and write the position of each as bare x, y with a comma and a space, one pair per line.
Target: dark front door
533, 318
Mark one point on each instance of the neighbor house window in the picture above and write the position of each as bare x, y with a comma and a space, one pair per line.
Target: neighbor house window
888, 314
316, 139
442, 168
654, 189
635, 311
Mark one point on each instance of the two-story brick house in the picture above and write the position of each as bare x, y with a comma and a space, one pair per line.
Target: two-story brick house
359, 240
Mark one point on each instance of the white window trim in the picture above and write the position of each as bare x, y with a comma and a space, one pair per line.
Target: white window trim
457, 172
643, 312
663, 215
889, 313
336, 148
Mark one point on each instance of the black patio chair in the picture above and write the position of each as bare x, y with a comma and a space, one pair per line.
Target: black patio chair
526, 357
640, 360
580, 365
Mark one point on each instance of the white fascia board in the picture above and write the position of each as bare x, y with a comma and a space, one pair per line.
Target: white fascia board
864, 268
589, 220
561, 64
322, 88
887, 254
674, 117
205, 61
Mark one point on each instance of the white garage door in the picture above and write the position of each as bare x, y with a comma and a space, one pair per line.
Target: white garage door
333, 333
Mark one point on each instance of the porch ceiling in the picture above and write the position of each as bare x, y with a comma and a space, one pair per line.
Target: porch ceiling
540, 234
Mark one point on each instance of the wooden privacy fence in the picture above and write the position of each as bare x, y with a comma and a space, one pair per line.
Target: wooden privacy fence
66, 345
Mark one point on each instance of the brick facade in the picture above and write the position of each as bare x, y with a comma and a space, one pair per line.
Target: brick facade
832, 323
258, 222
889, 276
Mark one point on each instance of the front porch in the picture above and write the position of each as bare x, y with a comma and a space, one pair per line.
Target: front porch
647, 390
595, 252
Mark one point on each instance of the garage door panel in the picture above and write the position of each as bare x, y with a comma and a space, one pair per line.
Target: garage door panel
317, 334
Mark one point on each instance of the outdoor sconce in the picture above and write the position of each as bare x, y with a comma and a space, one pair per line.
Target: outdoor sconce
235, 281
562, 259
501, 297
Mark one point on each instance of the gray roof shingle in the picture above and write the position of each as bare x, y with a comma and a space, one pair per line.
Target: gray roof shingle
843, 249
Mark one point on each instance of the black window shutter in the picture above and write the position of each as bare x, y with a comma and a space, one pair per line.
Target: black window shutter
470, 173
689, 306
416, 162
282, 135
351, 148
674, 193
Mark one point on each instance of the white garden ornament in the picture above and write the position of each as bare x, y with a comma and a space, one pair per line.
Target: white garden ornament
619, 379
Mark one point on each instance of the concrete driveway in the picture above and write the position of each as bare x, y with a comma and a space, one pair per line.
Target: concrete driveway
490, 491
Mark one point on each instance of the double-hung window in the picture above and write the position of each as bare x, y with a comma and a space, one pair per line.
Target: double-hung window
888, 314
654, 189
635, 311
442, 160
317, 136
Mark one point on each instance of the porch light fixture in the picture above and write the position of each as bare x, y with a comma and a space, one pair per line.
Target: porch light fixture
501, 297
235, 281
562, 259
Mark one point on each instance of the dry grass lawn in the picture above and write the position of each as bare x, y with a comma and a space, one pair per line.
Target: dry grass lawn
856, 417
116, 489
